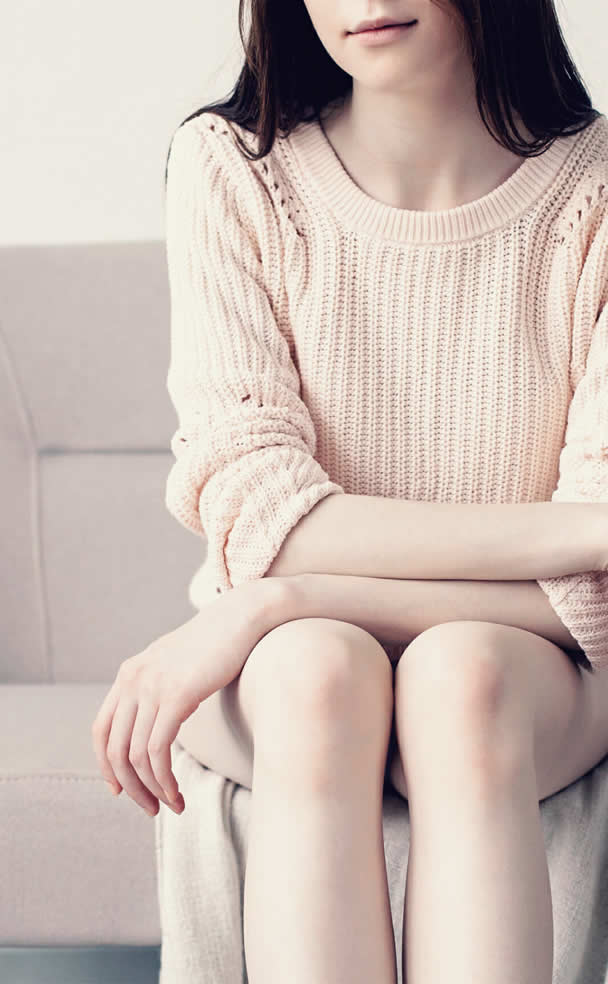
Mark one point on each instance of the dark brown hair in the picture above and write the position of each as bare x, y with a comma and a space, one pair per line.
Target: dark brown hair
519, 57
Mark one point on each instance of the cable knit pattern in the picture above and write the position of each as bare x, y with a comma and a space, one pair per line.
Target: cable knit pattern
325, 342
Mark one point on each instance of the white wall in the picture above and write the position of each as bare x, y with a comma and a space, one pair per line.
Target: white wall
92, 92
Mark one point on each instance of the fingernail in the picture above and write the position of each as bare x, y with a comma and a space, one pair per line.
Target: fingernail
178, 804
112, 787
150, 811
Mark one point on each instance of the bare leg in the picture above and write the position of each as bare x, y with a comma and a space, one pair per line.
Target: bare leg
477, 879
478, 898
316, 904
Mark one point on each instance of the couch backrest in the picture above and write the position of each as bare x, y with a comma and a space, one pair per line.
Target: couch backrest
93, 567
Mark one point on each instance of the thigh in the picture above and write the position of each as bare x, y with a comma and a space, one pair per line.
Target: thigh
220, 733
571, 718
568, 706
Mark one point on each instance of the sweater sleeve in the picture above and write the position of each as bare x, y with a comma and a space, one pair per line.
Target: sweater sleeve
244, 470
581, 599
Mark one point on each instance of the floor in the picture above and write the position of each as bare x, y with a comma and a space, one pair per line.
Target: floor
79, 965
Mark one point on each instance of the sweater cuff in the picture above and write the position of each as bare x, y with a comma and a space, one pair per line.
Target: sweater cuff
249, 508
581, 602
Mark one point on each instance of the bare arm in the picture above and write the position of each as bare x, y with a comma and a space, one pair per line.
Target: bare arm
396, 610
377, 536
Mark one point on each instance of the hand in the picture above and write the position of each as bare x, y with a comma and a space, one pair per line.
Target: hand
156, 690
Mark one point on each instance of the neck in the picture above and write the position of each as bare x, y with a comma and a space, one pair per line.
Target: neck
429, 161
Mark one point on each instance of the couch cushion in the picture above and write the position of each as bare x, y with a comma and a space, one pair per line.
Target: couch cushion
87, 328
77, 863
93, 566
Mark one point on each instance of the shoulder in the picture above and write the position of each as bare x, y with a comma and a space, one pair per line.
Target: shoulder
204, 140
210, 149
582, 219
584, 241
584, 206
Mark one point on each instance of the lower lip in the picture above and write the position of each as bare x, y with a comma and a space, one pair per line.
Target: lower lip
382, 35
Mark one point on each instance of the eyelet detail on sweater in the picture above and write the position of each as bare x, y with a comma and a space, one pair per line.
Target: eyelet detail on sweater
248, 397
594, 194
271, 185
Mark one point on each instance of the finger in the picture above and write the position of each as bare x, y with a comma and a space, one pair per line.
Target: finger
139, 752
168, 722
119, 744
100, 731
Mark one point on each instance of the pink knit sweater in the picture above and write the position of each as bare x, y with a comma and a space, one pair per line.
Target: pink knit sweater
325, 342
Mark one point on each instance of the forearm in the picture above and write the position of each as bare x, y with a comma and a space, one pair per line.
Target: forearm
395, 610
376, 536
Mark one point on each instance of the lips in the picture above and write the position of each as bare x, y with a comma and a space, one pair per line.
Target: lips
379, 24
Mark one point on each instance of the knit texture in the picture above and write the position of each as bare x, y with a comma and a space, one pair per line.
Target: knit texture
325, 342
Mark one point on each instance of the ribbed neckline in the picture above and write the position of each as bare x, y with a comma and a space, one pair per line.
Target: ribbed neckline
320, 164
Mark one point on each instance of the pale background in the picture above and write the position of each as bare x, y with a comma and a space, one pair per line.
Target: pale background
92, 92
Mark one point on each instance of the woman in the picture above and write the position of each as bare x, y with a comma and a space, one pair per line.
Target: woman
389, 352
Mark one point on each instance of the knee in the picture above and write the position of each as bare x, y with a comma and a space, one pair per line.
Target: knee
455, 685
458, 665
326, 672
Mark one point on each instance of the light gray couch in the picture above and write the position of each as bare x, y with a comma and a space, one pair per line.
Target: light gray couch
93, 569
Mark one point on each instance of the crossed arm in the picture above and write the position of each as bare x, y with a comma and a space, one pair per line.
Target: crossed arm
446, 561
399, 610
